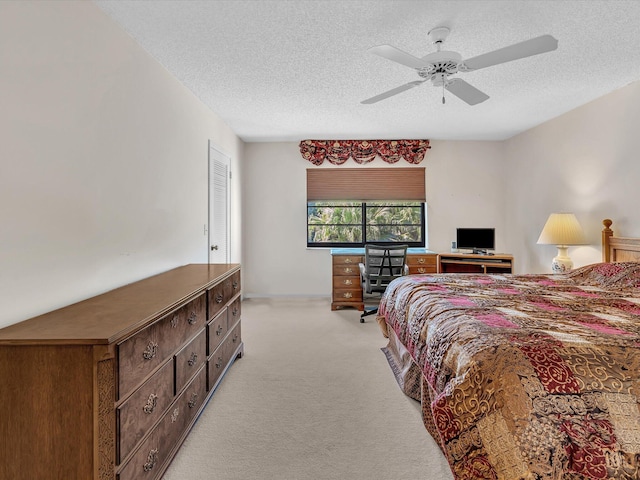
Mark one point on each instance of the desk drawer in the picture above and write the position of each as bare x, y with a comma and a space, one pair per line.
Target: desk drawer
348, 260
347, 294
348, 270
422, 263
346, 282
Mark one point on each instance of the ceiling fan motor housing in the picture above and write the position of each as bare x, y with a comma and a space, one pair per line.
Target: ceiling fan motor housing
440, 65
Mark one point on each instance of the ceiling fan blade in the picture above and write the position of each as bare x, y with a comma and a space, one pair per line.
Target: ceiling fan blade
466, 92
396, 55
535, 46
392, 92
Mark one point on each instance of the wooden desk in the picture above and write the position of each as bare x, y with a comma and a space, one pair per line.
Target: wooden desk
471, 263
346, 287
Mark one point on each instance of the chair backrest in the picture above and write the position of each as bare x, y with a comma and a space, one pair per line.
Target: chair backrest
382, 264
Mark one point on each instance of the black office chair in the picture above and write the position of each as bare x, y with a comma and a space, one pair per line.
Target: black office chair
382, 264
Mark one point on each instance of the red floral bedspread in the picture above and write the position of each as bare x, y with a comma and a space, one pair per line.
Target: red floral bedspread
530, 376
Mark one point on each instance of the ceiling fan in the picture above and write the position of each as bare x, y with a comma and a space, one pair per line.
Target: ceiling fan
439, 66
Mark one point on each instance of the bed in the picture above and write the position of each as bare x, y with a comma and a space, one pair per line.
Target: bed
525, 376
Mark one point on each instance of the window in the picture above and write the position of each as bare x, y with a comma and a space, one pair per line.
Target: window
353, 223
349, 207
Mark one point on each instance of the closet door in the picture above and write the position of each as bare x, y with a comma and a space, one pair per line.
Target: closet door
219, 208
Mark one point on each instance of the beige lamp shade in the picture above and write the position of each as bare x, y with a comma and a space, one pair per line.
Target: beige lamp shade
562, 230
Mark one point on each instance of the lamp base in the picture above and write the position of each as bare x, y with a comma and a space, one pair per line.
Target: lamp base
562, 263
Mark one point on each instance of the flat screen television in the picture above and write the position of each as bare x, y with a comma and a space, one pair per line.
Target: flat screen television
479, 240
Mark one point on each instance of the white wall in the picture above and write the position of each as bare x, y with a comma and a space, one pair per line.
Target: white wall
586, 162
465, 187
103, 160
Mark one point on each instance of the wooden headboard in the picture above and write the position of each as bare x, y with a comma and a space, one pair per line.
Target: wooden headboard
618, 249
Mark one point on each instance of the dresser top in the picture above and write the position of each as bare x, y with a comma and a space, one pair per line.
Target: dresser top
109, 317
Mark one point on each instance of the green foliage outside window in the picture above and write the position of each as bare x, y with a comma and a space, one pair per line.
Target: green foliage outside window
346, 224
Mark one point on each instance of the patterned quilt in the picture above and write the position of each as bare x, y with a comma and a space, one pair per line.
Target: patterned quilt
528, 376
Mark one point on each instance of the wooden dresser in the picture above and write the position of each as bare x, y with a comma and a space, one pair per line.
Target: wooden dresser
108, 388
346, 287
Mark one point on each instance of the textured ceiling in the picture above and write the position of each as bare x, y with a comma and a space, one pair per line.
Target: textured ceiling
286, 70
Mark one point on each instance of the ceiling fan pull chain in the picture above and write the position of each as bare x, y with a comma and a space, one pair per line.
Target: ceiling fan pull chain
443, 93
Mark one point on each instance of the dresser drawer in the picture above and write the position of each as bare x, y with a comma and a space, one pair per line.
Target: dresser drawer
220, 358
233, 342
232, 286
233, 313
222, 293
216, 331
135, 416
155, 451
139, 355
190, 358
215, 366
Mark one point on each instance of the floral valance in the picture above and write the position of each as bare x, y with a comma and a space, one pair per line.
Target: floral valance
363, 151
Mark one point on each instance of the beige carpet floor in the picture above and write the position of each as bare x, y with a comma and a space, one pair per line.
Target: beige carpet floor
313, 398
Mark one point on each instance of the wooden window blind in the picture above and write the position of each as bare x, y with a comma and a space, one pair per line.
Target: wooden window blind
366, 184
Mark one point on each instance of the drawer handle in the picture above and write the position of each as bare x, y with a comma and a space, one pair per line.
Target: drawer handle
219, 330
422, 270
347, 295
421, 260
348, 270
219, 298
194, 400
152, 459
150, 351
235, 284
174, 321
193, 318
219, 362
152, 401
347, 260
174, 415
234, 312
194, 358
235, 338
348, 282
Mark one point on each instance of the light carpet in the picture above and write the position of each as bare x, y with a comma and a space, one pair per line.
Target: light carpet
313, 398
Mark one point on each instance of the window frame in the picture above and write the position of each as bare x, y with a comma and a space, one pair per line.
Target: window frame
363, 225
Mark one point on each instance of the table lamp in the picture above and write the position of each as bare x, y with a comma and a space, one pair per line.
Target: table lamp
562, 230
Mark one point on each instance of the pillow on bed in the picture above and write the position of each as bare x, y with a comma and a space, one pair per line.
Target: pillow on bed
608, 275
